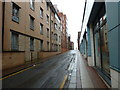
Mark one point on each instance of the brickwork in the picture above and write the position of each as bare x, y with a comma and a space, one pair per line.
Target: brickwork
47, 54
27, 49
64, 36
12, 59
23, 29
21, 43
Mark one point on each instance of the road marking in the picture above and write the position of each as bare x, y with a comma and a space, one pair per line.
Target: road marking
63, 83
18, 72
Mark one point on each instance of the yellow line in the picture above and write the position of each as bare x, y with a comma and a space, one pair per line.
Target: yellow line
63, 83
17, 72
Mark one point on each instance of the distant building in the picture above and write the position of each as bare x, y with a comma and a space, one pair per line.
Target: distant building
78, 40
69, 40
64, 33
70, 43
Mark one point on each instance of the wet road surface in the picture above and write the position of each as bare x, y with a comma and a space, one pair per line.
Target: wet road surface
49, 74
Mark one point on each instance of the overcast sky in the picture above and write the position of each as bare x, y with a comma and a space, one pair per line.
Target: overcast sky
74, 11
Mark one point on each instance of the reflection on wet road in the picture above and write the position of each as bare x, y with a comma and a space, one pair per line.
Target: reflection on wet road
49, 74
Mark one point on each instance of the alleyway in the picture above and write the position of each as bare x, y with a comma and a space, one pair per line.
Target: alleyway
66, 70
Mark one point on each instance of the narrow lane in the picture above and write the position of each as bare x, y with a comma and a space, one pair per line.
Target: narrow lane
49, 74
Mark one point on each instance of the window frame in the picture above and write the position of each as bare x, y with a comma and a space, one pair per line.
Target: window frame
41, 45
48, 46
41, 28
47, 19
15, 18
32, 5
14, 44
41, 12
48, 33
31, 46
32, 27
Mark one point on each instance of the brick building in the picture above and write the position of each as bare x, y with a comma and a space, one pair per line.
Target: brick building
55, 30
27, 31
64, 33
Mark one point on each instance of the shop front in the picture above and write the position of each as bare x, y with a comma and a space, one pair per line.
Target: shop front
101, 52
102, 40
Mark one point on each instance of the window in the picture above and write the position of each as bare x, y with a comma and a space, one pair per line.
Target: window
41, 28
47, 18
31, 44
55, 26
101, 45
41, 45
59, 39
52, 24
14, 41
48, 46
31, 22
47, 7
32, 4
47, 32
55, 36
41, 12
15, 12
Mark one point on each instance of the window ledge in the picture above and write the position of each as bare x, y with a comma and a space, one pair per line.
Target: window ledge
15, 19
33, 9
32, 28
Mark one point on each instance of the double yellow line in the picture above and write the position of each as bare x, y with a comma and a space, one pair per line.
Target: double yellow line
18, 72
61, 86
63, 83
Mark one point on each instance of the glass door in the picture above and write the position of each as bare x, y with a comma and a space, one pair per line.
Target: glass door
97, 50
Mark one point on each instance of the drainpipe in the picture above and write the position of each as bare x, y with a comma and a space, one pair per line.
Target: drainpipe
3, 20
50, 32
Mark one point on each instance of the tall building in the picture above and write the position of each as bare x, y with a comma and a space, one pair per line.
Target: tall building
64, 33
28, 30
99, 39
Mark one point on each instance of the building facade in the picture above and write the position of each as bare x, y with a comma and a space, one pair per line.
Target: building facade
27, 31
55, 30
64, 33
99, 39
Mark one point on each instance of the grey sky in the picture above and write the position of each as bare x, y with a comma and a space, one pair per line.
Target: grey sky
74, 11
